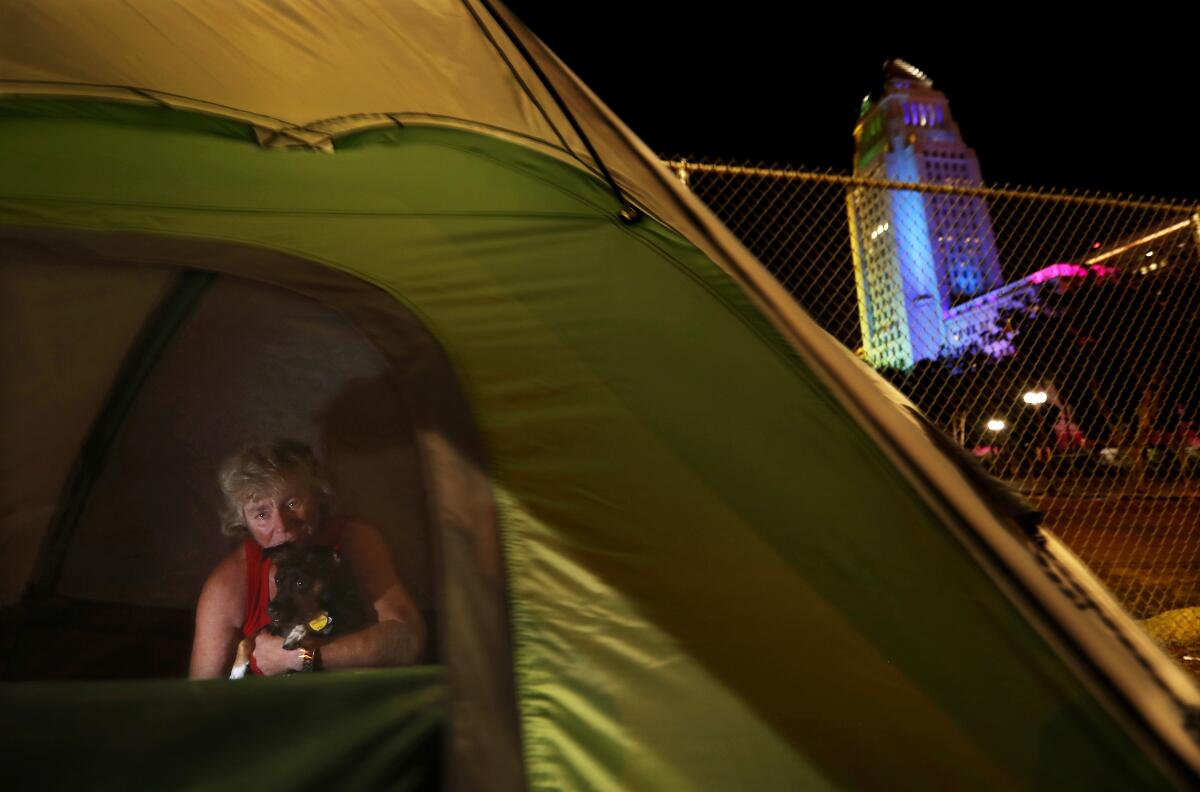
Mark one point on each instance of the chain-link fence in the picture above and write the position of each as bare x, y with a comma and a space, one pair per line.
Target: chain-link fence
1052, 334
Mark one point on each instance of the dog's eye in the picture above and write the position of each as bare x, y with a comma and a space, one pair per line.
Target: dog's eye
300, 583
277, 579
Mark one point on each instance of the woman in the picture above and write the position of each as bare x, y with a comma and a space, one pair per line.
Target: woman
276, 493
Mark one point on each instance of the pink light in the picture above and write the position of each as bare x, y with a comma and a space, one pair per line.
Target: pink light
1067, 270
1062, 270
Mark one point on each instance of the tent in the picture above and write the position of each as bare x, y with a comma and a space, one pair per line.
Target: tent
669, 535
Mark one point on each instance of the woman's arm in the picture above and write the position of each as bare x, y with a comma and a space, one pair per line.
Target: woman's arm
219, 619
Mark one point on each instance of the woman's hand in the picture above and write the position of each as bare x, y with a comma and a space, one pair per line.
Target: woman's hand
272, 658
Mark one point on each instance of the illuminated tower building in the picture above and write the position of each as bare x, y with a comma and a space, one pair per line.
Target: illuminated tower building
918, 256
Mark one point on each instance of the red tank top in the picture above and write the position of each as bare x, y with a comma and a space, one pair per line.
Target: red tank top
258, 585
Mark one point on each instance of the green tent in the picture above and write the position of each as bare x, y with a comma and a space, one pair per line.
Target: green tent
668, 534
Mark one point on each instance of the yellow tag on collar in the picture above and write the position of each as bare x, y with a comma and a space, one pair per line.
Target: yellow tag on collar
320, 623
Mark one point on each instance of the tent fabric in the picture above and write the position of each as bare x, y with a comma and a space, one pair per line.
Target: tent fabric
284, 733
649, 566
297, 62
726, 559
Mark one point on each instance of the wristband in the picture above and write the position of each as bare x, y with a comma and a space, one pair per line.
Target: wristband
311, 659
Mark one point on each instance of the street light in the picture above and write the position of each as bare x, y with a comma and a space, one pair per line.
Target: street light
1036, 398
996, 425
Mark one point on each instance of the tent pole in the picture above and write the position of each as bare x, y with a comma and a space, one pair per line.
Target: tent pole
139, 361
629, 213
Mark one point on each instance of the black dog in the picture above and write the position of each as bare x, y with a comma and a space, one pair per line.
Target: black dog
314, 596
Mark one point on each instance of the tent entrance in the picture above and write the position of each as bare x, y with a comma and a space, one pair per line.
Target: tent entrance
275, 346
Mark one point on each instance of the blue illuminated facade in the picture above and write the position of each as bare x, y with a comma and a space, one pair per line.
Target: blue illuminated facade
922, 260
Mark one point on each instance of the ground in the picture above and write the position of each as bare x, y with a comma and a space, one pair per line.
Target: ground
1143, 544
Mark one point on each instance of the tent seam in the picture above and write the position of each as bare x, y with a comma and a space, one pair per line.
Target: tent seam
520, 81
529, 175
629, 211
286, 212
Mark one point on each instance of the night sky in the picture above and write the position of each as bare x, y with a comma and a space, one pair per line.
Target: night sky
1082, 103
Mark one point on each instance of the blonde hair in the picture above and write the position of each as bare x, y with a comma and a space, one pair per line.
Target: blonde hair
258, 470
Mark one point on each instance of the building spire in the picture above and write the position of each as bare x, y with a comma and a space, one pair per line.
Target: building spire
897, 68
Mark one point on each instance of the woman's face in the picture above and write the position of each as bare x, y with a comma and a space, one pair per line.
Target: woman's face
291, 514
